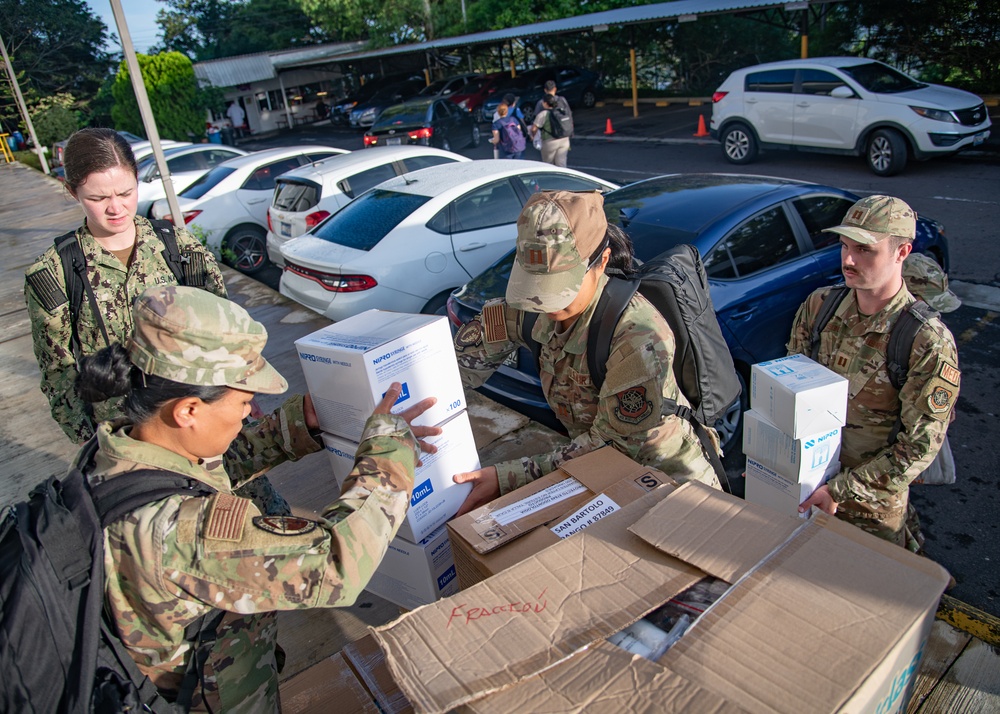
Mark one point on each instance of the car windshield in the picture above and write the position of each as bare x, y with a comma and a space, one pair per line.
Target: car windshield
207, 182
402, 114
881, 79
368, 219
433, 88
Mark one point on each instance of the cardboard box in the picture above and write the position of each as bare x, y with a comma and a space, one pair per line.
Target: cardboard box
349, 365
331, 680
820, 617
767, 487
792, 458
367, 660
411, 575
436, 497
582, 492
799, 396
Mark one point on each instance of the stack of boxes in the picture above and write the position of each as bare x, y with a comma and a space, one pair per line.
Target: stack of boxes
348, 366
791, 434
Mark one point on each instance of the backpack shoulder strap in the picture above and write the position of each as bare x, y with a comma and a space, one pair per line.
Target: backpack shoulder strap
117, 497
830, 304
897, 353
607, 313
74, 266
528, 320
189, 266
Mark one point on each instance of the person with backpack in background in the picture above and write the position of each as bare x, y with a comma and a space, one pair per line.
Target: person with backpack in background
565, 246
507, 134
549, 90
188, 375
79, 295
895, 426
554, 127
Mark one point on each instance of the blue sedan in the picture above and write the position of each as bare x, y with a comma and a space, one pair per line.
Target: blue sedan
762, 242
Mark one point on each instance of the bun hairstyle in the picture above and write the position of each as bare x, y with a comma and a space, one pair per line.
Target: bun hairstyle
91, 150
622, 257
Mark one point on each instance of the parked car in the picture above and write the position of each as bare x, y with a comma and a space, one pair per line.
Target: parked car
340, 112
763, 246
844, 105
364, 115
304, 197
59, 148
448, 86
580, 87
472, 95
427, 122
407, 243
227, 207
186, 164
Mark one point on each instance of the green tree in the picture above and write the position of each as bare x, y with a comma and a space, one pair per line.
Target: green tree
54, 118
178, 105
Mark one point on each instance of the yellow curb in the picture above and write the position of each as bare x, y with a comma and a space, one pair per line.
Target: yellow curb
981, 625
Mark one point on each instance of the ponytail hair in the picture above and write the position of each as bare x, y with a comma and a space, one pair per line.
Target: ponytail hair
622, 259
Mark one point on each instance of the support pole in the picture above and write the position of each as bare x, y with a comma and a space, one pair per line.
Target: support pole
146, 111
635, 86
24, 108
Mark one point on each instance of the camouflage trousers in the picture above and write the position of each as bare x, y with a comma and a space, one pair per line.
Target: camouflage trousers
262, 492
899, 524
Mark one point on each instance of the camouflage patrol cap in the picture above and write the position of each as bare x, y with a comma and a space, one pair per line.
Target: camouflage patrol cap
925, 279
557, 232
875, 218
192, 336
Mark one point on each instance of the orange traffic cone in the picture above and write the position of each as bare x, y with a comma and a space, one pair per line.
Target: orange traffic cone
702, 131
608, 129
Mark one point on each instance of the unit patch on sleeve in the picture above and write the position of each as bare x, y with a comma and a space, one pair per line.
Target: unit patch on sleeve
470, 334
939, 400
225, 518
285, 525
494, 322
949, 373
633, 406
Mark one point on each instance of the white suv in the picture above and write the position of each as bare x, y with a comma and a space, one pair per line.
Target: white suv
844, 105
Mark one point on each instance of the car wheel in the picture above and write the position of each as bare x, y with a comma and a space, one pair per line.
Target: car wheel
475, 136
445, 144
529, 114
477, 116
437, 305
886, 152
589, 98
739, 144
245, 248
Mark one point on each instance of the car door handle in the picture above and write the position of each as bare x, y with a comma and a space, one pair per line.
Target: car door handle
253, 201
804, 105
471, 246
743, 314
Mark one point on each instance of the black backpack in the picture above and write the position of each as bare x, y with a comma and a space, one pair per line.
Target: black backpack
58, 651
675, 284
559, 124
188, 268
899, 349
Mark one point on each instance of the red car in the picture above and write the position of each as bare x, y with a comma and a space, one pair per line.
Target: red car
473, 94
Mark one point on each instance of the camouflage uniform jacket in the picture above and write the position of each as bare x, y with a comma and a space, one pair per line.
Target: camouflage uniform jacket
171, 562
115, 287
876, 476
626, 412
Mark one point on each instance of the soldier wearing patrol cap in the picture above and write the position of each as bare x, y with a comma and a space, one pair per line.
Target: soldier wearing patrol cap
188, 375
564, 244
872, 489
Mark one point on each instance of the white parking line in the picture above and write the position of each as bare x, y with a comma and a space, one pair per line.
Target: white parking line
985, 297
965, 200
606, 170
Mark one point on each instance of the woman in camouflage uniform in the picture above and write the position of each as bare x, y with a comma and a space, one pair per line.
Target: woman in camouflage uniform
190, 371
123, 256
564, 245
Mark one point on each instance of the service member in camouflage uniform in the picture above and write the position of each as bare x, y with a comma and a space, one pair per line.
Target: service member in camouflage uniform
872, 489
564, 244
124, 256
189, 373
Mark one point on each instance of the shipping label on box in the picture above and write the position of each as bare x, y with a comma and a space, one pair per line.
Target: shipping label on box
436, 497
414, 574
799, 396
348, 366
792, 458
766, 487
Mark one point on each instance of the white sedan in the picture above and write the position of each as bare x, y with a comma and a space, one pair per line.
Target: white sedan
186, 164
227, 207
408, 242
304, 197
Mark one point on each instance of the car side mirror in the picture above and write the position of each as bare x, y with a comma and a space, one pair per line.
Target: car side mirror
843, 92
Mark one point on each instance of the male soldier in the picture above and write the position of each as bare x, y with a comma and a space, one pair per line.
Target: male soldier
872, 489
550, 91
564, 244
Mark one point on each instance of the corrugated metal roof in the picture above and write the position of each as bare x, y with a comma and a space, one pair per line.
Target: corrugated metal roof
315, 53
233, 71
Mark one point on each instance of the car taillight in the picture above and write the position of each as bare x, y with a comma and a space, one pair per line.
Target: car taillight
452, 307
188, 216
333, 282
425, 133
717, 97
370, 140
314, 219
269, 226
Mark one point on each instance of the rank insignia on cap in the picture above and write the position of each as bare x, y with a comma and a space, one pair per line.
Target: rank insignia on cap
226, 517
858, 216
494, 322
949, 373
940, 400
633, 406
285, 525
535, 256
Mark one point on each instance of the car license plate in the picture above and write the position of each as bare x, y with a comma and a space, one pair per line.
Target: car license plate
286, 229
979, 138
394, 141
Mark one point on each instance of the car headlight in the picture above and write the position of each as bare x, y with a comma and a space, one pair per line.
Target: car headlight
935, 114
368, 113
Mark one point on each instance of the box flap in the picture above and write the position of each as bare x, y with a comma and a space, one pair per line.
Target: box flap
714, 531
548, 607
603, 468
